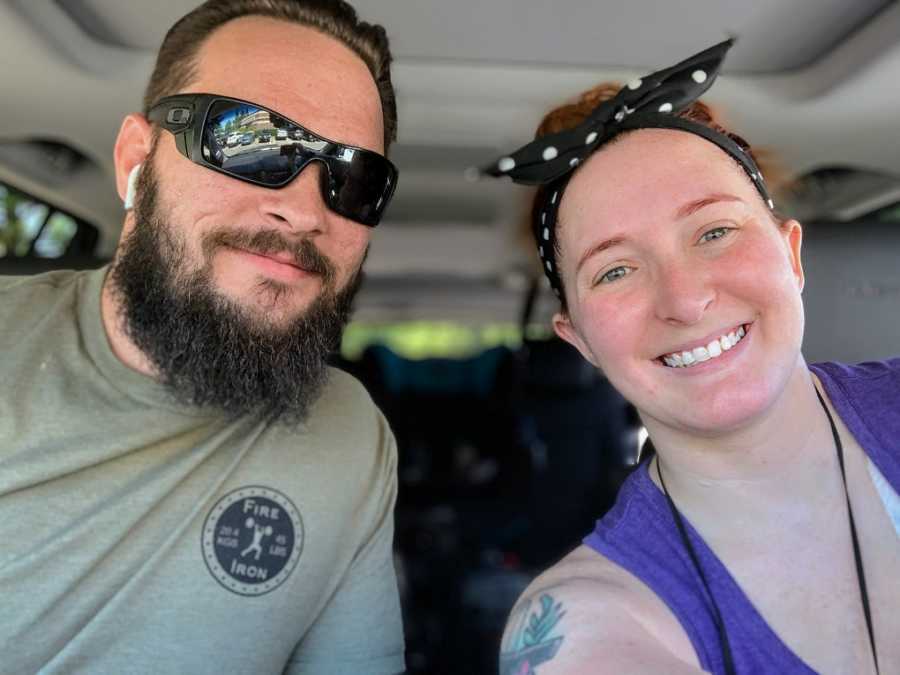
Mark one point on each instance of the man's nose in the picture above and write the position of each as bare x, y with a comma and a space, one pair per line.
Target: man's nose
298, 206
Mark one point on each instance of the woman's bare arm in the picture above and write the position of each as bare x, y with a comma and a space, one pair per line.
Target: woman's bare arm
568, 624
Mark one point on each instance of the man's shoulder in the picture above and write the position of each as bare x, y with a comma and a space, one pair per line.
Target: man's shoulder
343, 422
45, 284
346, 389
344, 396
22, 297
346, 413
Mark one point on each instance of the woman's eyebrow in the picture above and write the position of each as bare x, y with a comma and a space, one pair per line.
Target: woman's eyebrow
598, 248
683, 212
692, 207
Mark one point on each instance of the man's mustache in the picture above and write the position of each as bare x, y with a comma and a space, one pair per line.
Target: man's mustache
303, 252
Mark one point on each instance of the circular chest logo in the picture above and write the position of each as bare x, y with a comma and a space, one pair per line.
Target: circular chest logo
252, 540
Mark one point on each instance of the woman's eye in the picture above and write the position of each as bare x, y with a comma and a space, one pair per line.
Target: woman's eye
715, 233
614, 274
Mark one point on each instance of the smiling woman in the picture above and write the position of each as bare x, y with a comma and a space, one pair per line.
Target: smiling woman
683, 272
754, 539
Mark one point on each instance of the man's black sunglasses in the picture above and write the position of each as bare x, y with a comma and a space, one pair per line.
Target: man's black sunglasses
260, 146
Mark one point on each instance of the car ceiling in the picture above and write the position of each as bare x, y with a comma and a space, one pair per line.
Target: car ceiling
813, 80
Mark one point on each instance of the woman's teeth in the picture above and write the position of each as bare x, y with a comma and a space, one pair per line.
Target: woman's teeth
701, 354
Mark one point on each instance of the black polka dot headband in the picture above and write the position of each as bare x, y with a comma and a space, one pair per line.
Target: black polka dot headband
651, 102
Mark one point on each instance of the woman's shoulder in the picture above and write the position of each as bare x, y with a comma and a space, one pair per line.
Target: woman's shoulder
621, 534
866, 396
599, 581
586, 569
587, 606
867, 371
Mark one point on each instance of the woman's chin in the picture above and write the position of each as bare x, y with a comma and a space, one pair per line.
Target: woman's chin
721, 412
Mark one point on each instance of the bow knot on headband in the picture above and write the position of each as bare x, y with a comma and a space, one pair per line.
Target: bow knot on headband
651, 102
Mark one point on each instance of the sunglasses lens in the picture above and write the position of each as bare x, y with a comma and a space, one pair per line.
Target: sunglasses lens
361, 185
248, 142
260, 146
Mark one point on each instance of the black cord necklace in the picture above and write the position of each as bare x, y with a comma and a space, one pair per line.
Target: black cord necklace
727, 659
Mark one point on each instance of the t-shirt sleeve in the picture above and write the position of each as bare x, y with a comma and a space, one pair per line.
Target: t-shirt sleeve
361, 630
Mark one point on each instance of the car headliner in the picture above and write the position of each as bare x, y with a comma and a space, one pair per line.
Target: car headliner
814, 80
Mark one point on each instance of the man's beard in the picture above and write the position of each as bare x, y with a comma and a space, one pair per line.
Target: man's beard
206, 348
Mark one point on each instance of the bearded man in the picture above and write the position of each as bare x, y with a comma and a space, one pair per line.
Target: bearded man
186, 486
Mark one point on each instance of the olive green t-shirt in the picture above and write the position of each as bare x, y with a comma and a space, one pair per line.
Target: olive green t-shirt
138, 535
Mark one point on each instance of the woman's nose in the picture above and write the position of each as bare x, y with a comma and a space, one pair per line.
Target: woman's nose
684, 293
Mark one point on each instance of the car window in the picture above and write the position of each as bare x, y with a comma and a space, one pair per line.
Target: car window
32, 228
435, 339
886, 214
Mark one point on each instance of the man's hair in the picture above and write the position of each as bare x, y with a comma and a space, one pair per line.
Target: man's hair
176, 64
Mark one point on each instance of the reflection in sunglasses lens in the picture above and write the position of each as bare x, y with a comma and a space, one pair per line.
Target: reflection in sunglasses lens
260, 146
247, 142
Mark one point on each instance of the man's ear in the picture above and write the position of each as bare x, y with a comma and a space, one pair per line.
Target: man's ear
131, 149
793, 234
564, 328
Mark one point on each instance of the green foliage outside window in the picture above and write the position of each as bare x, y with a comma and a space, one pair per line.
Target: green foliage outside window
434, 339
28, 227
889, 214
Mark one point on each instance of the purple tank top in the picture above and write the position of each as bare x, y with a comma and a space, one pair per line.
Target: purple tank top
639, 533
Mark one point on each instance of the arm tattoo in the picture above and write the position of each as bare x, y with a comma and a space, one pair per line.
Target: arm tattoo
532, 638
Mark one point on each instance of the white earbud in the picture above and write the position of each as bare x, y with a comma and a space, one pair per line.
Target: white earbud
132, 183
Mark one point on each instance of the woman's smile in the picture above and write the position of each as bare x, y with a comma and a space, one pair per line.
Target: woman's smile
704, 351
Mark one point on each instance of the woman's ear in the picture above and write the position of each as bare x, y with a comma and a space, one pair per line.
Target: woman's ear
131, 149
565, 329
793, 234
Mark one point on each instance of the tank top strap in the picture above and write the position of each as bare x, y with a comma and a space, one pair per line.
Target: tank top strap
640, 535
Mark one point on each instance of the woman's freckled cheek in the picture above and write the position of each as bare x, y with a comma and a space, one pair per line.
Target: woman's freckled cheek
613, 327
